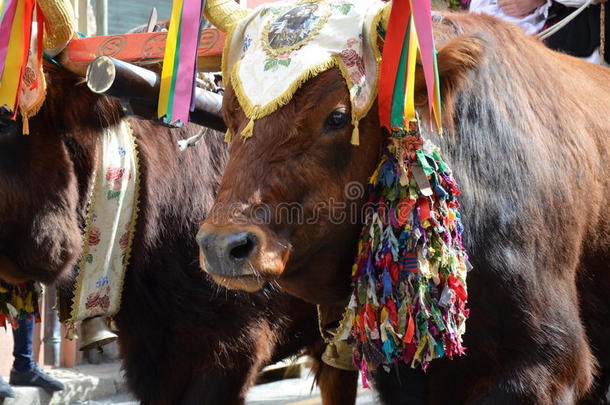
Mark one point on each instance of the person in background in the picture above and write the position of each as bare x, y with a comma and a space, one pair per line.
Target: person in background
530, 15
581, 37
19, 308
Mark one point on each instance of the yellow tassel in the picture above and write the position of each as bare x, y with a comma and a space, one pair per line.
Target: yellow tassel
25, 124
228, 135
248, 130
356, 133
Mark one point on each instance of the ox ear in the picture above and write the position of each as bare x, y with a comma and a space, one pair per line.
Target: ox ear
456, 60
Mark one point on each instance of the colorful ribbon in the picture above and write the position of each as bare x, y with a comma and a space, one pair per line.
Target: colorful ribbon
180, 62
409, 31
17, 27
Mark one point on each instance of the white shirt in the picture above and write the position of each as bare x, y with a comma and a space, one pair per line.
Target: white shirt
531, 23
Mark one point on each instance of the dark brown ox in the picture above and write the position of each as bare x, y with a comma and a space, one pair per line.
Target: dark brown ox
528, 141
183, 340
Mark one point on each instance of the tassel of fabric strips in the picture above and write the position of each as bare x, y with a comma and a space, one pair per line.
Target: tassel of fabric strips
18, 302
180, 62
409, 277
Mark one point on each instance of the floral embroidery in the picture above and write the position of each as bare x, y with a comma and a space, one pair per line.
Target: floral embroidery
94, 236
124, 241
246, 44
112, 214
343, 8
115, 177
352, 58
99, 300
273, 63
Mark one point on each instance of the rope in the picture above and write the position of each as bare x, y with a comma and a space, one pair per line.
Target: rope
556, 27
602, 33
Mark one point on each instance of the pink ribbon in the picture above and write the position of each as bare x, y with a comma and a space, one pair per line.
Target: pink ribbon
189, 41
5, 32
422, 16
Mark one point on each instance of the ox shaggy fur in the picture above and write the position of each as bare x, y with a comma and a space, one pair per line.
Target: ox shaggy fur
528, 145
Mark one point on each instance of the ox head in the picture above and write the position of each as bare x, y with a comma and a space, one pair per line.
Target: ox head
44, 180
44, 175
289, 208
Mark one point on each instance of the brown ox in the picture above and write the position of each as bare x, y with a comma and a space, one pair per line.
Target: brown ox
528, 142
183, 340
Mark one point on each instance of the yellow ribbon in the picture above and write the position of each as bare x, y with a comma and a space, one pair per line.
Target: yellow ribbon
169, 58
410, 77
14, 61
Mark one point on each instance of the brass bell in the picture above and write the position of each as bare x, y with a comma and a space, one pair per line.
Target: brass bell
96, 333
339, 355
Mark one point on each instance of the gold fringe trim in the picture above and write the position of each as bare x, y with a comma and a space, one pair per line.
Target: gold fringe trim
254, 112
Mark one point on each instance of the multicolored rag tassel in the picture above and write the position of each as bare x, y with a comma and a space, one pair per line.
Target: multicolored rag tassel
180, 61
409, 297
18, 302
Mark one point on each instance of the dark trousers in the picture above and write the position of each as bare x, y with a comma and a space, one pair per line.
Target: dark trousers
22, 350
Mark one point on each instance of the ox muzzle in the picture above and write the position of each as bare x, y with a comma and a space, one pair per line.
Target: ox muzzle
241, 257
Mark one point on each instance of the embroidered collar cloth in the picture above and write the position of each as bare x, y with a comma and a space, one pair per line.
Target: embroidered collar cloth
280, 45
109, 232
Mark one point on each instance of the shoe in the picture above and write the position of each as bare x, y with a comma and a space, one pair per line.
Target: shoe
35, 377
5, 390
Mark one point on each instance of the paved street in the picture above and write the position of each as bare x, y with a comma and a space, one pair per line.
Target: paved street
285, 392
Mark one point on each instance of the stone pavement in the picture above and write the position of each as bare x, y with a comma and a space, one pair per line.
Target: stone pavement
83, 383
293, 391
103, 385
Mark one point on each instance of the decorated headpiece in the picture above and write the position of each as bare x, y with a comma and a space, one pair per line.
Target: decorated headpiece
274, 50
23, 87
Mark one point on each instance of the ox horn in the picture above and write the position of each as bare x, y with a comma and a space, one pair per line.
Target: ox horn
224, 14
60, 25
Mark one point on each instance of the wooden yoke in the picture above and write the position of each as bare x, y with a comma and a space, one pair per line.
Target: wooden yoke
141, 49
138, 90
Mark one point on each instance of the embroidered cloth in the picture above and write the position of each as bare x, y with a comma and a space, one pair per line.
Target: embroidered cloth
109, 231
279, 46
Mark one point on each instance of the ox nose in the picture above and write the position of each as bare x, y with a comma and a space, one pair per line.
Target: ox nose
227, 253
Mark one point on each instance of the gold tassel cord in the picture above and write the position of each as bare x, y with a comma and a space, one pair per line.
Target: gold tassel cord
228, 135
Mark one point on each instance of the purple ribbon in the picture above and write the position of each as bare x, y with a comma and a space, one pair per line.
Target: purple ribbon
189, 41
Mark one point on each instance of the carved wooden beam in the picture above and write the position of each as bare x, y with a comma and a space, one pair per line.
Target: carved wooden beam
141, 49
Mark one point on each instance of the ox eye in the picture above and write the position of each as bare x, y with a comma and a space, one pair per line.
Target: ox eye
338, 119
